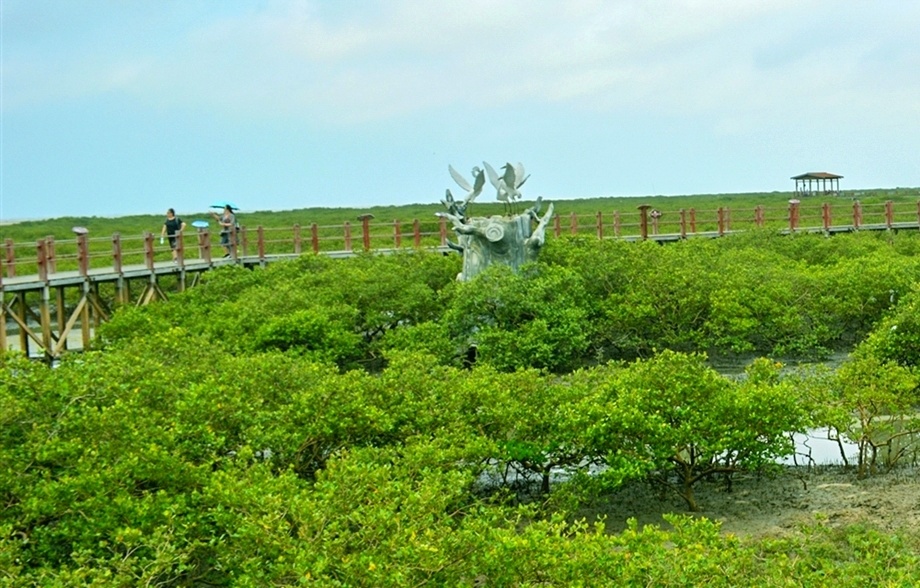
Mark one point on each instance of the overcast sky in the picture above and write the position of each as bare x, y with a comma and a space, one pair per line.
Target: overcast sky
113, 107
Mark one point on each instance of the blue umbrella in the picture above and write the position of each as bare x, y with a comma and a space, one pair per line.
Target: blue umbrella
223, 204
200, 224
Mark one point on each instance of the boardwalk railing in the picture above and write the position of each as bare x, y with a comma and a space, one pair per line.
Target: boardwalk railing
84, 252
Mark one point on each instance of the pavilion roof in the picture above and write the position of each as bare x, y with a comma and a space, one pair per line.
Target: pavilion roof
817, 176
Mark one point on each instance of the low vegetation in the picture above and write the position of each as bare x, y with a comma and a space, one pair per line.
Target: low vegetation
319, 421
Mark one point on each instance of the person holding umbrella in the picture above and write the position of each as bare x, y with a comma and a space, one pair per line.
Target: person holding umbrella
227, 222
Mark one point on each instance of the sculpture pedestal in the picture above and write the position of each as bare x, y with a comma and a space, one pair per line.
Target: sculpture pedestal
504, 240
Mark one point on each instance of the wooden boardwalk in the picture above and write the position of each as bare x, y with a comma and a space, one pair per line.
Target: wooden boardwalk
48, 312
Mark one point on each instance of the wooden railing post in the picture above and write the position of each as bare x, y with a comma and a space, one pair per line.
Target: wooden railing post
793, 215
148, 250
617, 224
206, 246
573, 223
758, 216
117, 258
416, 233
397, 234
366, 230
918, 212
11, 257
298, 241
857, 214
347, 229
557, 225
260, 243
52, 257
314, 237
239, 242
889, 213
643, 220
442, 229
693, 220
180, 249
720, 216
683, 223
199, 235
41, 248
83, 252
600, 226
826, 215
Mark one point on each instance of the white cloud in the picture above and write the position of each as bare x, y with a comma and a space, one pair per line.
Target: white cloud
733, 58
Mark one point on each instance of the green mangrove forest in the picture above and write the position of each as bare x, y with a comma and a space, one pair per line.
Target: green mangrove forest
374, 422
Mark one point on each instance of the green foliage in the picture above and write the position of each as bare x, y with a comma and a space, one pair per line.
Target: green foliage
310, 422
877, 409
536, 318
897, 337
684, 422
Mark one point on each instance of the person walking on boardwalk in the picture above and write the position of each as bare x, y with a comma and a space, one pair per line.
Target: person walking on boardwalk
172, 229
227, 221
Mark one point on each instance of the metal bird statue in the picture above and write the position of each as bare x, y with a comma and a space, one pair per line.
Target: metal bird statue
472, 191
513, 179
501, 188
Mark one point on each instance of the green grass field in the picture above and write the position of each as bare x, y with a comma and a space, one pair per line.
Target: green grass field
395, 226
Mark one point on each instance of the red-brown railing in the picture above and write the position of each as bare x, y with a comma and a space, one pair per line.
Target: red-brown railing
50, 255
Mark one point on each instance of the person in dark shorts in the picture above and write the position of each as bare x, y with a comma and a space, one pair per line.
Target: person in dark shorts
172, 229
227, 221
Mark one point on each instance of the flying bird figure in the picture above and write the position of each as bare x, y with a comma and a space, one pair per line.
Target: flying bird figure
513, 179
472, 191
501, 188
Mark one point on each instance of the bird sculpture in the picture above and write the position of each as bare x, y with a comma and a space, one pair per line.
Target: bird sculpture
472, 191
501, 189
507, 185
513, 179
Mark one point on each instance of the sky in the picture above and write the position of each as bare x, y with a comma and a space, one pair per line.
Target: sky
110, 108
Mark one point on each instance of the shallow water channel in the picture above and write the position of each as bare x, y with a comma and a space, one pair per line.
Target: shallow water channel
815, 447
